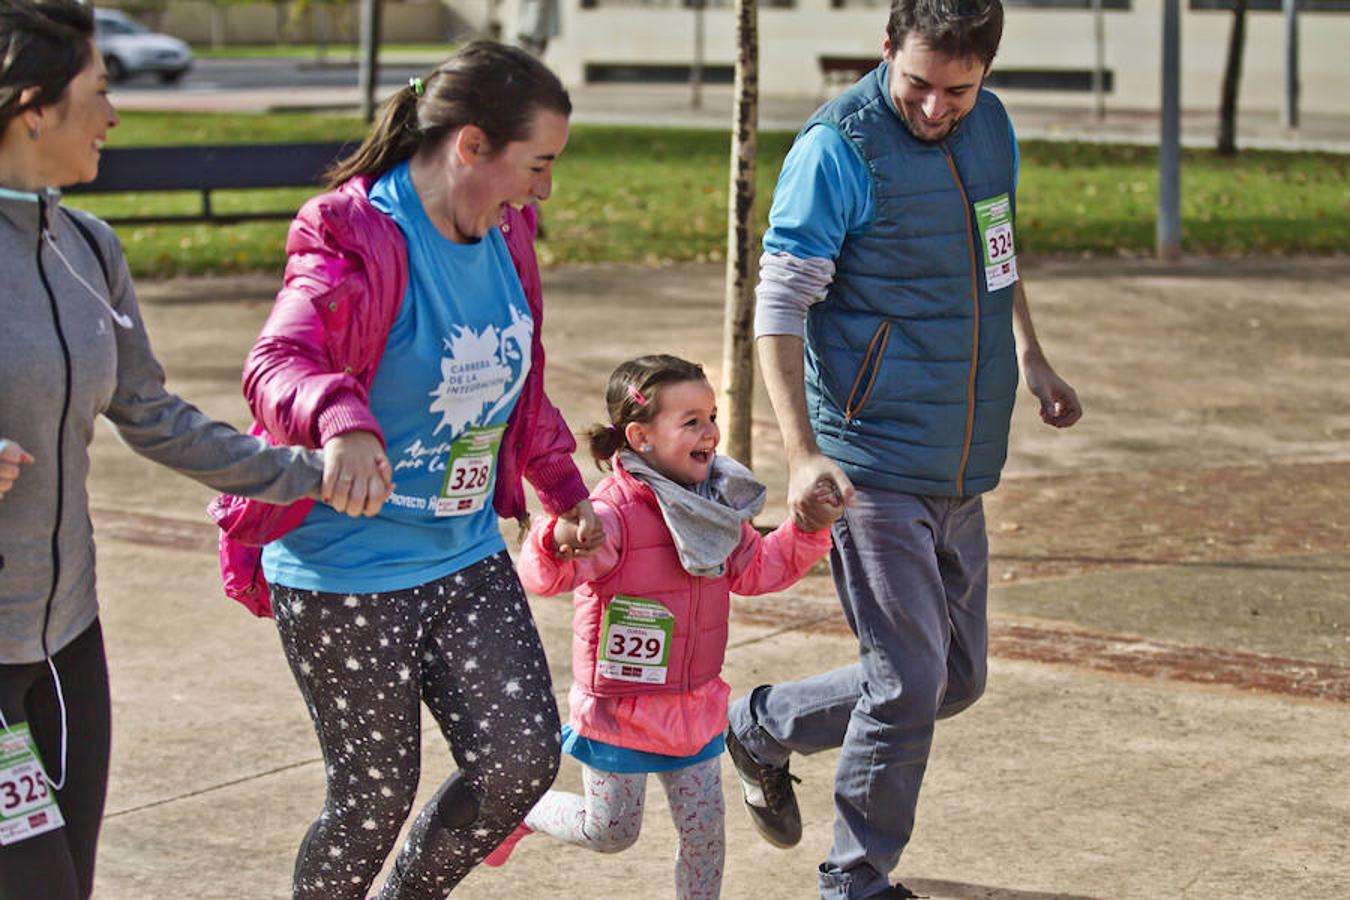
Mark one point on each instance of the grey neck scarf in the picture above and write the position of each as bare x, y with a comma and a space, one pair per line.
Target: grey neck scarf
704, 519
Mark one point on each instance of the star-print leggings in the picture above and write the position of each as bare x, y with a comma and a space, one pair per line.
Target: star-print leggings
609, 817
466, 645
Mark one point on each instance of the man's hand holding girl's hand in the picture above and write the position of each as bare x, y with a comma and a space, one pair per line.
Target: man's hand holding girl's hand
826, 503
357, 477
818, 491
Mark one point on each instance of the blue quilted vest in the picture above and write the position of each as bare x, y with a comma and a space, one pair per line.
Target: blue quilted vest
911, 368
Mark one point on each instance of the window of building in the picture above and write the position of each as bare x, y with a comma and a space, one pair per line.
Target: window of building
1304, 6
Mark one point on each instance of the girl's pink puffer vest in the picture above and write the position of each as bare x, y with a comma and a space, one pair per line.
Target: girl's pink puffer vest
650, 568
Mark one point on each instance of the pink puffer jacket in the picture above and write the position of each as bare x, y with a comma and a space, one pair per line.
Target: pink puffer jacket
308, 375
679, 715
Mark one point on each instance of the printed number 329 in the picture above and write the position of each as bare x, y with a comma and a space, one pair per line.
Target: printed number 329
633, 646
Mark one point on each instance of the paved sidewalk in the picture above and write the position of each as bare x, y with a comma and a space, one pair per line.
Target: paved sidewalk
670, 105
1169, 701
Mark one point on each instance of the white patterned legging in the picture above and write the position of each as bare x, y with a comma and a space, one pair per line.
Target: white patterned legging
464, 645
609, 817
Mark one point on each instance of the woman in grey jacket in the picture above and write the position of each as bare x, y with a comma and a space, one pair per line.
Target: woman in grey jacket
73, 347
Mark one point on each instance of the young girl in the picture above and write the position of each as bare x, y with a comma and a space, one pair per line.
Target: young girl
650, 629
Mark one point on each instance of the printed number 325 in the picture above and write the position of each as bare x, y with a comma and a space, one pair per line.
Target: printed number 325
27, 789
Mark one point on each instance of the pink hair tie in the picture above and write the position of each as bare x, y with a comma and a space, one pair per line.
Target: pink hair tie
637, 396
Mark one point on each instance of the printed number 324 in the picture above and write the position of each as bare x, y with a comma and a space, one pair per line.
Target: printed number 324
1000, 242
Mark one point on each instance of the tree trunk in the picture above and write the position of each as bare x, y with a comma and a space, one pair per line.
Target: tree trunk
321, 21
696, 70
368, 74
1232, 76
217, 26
738, 344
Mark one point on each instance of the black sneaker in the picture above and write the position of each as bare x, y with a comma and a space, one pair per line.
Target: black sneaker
768, 796
897, 891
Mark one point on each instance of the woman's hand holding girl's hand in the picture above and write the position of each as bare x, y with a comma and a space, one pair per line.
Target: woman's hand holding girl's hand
11, 457
357, 478
564, 538
578, 533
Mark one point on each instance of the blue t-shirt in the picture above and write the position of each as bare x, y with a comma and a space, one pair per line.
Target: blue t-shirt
612, 758
824, 194
453, 366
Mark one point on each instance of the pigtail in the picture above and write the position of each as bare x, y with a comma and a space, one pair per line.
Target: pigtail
604, 441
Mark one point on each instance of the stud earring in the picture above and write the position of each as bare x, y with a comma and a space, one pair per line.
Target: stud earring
34, 133
645, 448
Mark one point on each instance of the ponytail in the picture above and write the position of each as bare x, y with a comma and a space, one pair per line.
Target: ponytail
604, 441
391, 140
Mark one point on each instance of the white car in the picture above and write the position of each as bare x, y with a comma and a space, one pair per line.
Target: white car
129, 48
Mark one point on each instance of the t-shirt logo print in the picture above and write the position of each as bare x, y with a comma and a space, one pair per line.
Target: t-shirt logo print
482, 373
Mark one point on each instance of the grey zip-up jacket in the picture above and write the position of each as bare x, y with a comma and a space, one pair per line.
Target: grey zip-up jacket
64, 361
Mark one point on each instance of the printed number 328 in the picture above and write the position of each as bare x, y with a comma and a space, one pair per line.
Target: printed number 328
468, 478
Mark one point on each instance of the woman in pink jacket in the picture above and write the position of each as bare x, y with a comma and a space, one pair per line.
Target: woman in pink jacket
650, 628
405, 342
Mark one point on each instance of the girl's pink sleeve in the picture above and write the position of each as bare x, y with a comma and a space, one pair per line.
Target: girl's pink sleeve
540, 570
764, 564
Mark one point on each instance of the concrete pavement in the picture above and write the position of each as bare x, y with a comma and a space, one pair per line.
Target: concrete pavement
624, 104
1169, 704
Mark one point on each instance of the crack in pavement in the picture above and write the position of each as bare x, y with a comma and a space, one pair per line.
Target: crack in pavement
559, 692
245, 779
1112, 653
1080, 648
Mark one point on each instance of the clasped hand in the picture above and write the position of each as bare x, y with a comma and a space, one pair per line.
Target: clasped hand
818, 491
577, 533
11, 457
357, 477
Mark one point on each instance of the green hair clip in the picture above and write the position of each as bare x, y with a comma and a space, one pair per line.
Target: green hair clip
418, 87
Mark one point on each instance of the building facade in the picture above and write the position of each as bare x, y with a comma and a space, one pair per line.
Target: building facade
1048, 53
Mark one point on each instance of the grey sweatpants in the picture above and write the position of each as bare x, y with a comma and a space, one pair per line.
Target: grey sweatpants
912, 576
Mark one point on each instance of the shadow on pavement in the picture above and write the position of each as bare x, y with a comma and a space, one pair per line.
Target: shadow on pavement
956, 890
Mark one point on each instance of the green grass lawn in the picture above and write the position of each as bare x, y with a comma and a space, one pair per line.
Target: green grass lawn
654, 196
1089, 198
